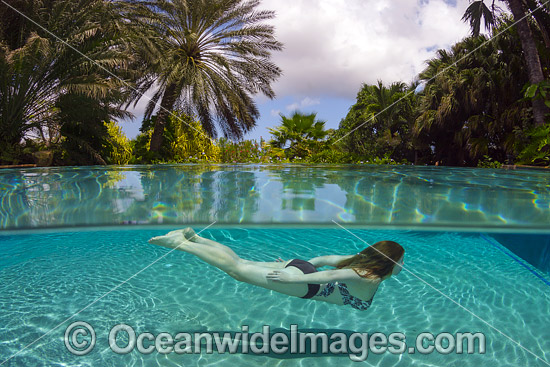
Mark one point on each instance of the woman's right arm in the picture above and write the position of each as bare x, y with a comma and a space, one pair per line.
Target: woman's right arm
329, 260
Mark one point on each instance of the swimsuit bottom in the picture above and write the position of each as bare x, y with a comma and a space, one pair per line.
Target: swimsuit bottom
306, 268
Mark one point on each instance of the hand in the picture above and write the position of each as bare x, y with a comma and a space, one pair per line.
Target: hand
280, 276
279, 260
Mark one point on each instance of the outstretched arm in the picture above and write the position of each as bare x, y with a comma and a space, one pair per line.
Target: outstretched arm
320, 277
330, 260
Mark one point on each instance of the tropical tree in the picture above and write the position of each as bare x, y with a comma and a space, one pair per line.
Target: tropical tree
471, 106
300, 131
518, 8
378, 124
49, 65
185, 141
541, 14
478, 11
215, 54
531, 54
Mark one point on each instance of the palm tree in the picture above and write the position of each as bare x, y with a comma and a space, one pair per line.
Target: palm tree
541, 14
378, 123
474, 107
531, 54
215, 54
298, 129
38, 72
478, 9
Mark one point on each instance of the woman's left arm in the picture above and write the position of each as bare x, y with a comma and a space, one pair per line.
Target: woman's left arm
319, 277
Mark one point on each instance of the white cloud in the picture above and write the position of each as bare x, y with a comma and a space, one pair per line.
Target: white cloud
292, 107
333, 46
306, 102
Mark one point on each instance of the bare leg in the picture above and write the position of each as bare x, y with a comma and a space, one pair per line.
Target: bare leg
186, 240
191, 235
227, 260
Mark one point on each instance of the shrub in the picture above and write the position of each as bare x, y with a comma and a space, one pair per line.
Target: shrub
488, 162
185, 141
117, 148
246, 151
536, 150
332, 156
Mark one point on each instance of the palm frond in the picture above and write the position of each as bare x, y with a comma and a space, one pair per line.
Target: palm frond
476, 12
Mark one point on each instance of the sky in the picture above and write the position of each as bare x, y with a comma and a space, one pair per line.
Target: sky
332, 47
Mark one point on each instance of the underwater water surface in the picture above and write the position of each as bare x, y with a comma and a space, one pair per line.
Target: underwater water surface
73, 248
361, 195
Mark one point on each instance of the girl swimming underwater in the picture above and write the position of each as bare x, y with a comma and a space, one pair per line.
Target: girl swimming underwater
356, 277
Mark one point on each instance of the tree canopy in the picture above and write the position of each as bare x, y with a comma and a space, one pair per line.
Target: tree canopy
69, 69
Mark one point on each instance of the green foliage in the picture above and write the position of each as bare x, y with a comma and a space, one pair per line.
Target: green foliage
302, 132
246, 151
36, 70
386, 159
475, 13
88, 136
531, 91
16, 154
251, 151
184, 141
333, 156
533, 142
273, 154
380, 122
140, 149
536, 151
538, 91
296, 129
475, 108
188, 142
472, 100
84, 132
117, 147
208, 58
488, 162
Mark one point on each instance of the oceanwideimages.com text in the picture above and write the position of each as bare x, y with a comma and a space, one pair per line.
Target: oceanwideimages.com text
80, 338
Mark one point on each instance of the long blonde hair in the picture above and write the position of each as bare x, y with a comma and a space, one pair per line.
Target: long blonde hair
375, 261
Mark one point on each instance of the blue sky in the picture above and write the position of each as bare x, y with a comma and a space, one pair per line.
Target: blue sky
332, 47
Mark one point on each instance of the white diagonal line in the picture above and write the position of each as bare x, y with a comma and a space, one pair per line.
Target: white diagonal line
449, 298
103, 68
445, 69
99, 298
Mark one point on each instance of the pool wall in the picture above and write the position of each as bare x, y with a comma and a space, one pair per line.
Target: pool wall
533, 248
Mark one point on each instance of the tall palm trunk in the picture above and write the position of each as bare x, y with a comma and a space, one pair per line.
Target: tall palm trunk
166, 105
529, 47
542, 18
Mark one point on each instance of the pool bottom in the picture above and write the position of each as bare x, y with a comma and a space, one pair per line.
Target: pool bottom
47, 277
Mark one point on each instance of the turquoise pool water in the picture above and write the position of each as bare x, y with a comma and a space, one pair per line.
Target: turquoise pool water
374, 196
50, 271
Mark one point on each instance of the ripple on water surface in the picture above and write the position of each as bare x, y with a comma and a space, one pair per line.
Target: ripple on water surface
45, 278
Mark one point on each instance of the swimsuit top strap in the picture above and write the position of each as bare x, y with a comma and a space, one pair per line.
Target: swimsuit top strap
353, 301
327, 290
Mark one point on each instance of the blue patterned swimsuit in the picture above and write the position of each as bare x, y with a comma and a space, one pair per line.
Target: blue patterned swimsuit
347, 298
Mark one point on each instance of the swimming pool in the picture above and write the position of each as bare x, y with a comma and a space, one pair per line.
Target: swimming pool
73, 240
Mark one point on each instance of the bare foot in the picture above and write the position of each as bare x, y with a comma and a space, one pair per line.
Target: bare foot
174, 239
189, 234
